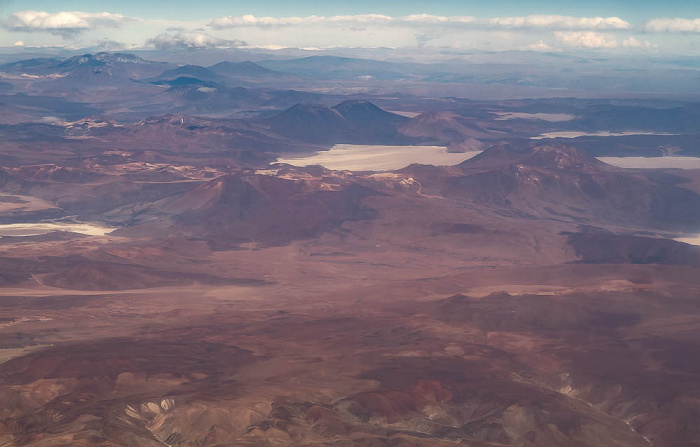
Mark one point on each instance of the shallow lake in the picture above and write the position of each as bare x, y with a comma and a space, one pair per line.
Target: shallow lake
36, 229
603, 133
551, 117
359, 157
653, 162
693, 240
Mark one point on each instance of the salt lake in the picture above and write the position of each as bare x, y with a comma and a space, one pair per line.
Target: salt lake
603, 133
360, 157
669, 162
693, 240
551, 117
36, 229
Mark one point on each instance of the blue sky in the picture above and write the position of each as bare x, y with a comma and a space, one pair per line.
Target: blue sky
670, 26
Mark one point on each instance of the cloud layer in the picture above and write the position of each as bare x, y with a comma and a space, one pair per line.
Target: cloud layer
562, 22
672, 26
555, 22
633, 42
191, 40
531, 32
63, 23
585, 39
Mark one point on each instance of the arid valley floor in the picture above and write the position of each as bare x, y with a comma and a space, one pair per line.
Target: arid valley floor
165, 282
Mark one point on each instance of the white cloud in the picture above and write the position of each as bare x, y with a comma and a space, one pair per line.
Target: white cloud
191, 39
19, 43
110, 45
539, 46
251, 20
534, 21
561, 22
270, 47
585, 39
419, 30
63, 23
532, 33
633, 42
665, 25
427, 18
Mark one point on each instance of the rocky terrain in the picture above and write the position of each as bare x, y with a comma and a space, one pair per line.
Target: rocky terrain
164, 281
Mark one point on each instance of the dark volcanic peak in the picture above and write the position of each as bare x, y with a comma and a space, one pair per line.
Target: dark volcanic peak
355, 106
347, 122
305, 116
246, 68
192, 71
365, 111
309, 122
535, 155
308, 110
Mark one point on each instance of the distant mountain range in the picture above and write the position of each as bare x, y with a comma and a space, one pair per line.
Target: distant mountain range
228, 73
87, 71
333, 67
122, 69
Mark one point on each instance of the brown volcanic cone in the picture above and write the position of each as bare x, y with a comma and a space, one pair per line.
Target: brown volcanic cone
533, 155
563, 183
447, 128
271, 210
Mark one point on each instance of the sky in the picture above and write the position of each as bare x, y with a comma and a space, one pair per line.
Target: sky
605, 26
